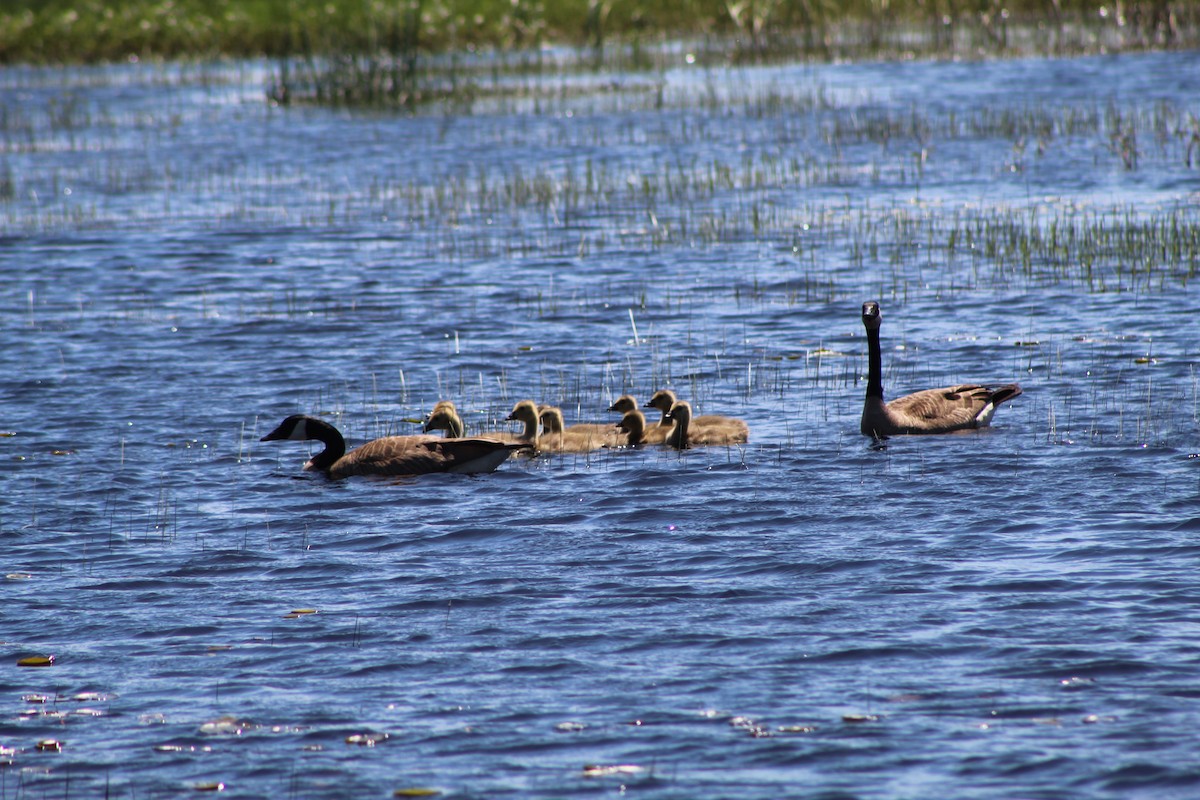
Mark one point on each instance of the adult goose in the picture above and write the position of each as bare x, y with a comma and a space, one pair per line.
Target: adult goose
575, 439
664, 400
392, 455
951, 408
687, 433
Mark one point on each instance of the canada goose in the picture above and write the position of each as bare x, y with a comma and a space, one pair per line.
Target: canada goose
633, 425
624, 404
444, 416
575, 439
392, 455
951, 408
526, 411
664, 399
688, 433
654, 434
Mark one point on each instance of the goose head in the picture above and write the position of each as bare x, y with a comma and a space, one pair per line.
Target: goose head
663, 399
552, 419
301, 427
634, 424
680, 413
444, 417
294, 427
871, 315
625, 403
526, 412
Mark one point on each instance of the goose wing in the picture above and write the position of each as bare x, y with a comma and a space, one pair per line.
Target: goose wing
718, 430
946, 408
421, 455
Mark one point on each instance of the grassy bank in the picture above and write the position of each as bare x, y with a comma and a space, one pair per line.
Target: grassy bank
80, 31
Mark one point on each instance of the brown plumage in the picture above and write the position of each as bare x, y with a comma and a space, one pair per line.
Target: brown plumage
575, 439
944, 410
664, 400
392, 455
690, 433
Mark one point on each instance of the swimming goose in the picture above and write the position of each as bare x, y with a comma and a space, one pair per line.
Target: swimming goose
526, 411
392, 455
664, 399
575, 439
951, 408
624, 404
633, 425
688, 433
444, 416
656, 434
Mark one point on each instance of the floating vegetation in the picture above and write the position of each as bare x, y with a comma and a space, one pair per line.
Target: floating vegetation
366, 739
570, 727
209, 786
608, 770
226, 726
36, 661
181, 748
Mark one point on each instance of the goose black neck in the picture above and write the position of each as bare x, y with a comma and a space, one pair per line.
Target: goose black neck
335, 445
874, 365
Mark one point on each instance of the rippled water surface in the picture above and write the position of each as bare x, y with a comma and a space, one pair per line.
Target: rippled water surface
1008, 613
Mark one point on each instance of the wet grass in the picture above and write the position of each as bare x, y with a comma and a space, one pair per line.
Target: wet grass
790, 192
74, 31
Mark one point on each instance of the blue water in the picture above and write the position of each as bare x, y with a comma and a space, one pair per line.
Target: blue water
1002, 614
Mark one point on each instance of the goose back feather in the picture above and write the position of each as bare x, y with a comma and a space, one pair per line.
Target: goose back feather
689, 432
575, 439
664, 400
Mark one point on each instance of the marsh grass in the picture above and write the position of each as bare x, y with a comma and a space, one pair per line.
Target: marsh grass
76, 31
837, 204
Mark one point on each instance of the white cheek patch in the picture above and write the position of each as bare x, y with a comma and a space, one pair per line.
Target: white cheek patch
300, 431
984, 418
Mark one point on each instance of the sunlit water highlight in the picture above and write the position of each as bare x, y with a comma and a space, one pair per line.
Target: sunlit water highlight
994, 615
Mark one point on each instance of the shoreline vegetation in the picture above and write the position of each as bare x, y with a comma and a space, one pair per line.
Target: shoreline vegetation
403, 53
89, 31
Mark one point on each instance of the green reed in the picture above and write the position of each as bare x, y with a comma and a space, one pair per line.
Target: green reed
113, 30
